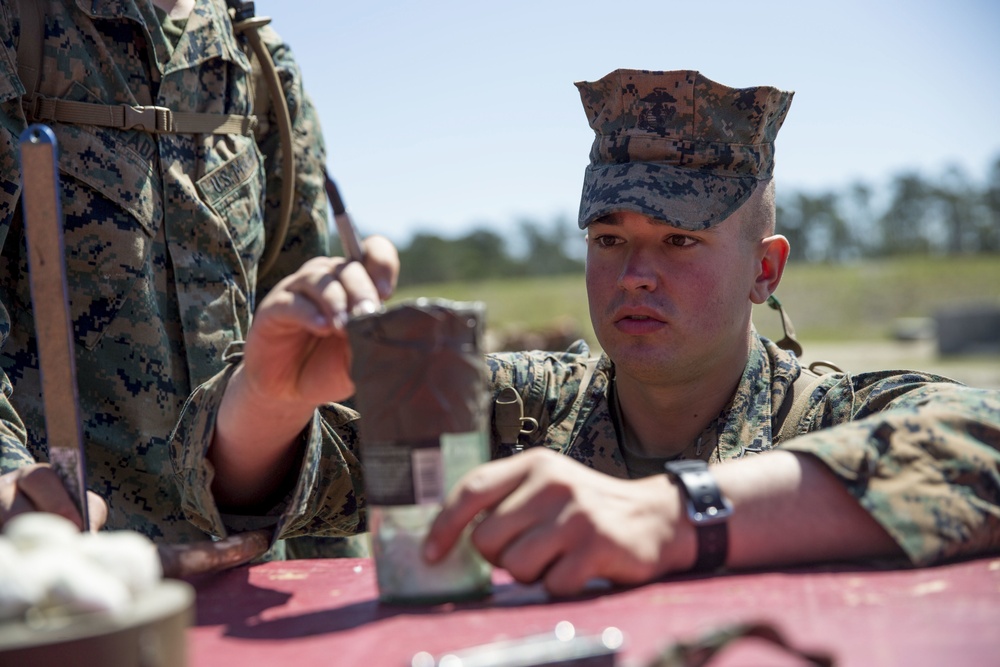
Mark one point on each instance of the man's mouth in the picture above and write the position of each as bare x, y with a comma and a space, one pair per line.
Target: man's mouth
639, 323
639, 317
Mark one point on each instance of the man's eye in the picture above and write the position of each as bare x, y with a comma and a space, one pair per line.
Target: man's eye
680, 241
605, 240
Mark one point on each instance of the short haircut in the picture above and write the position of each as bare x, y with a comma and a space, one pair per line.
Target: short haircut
758, 212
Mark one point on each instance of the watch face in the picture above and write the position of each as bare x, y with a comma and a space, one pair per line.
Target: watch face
705, 503
686, 465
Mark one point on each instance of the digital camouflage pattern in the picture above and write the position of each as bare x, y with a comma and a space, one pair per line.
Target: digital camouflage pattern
921, 453
160, 304
677, 146
163, 235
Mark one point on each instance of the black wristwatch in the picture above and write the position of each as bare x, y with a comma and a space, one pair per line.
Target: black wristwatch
707, 509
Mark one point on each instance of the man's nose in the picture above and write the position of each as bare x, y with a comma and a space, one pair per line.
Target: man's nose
638, 271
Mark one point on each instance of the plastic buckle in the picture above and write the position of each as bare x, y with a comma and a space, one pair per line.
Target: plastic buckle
149, 119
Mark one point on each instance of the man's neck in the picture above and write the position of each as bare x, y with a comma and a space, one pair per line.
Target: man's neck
176, 9
665, 420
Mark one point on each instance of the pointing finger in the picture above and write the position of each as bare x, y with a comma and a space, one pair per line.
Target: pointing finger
481, 489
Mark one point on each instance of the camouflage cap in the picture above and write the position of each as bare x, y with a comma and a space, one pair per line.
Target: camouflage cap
677, 146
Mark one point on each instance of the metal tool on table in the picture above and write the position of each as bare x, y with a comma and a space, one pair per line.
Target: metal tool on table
49, 293
562, 648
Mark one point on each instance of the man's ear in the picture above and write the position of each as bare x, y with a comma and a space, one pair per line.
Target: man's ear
773, 254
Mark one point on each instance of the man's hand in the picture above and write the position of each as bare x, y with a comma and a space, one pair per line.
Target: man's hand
296, 358
543, 516
547, 517
296, 351
36, 488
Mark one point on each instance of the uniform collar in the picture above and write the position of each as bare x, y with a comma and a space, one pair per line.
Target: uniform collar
744, 426
208, 34
747, 422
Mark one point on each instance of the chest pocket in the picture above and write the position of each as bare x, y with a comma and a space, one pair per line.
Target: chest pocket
111, 202
235, 193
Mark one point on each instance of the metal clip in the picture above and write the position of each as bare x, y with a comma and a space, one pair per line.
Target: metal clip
752, 450
789, 341
509, 420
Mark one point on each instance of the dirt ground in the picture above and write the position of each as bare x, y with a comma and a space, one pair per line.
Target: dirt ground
977, 371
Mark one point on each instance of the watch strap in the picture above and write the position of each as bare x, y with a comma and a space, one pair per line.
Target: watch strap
713, 545
707, 509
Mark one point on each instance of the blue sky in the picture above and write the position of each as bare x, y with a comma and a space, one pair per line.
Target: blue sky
443, 116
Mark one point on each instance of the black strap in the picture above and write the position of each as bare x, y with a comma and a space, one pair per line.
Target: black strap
707, 509
699, 651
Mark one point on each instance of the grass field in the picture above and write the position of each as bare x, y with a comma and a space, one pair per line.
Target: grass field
846, 312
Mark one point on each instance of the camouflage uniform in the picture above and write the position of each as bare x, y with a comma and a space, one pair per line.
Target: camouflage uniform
163, 235
920, 452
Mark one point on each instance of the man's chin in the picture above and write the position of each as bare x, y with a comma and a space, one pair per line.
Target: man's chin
641, 357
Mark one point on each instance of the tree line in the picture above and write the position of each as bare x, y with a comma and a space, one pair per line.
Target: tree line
915, 215
945, 215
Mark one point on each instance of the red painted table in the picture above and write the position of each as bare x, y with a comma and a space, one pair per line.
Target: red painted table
326, 612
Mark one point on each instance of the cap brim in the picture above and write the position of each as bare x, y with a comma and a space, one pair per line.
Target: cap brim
685, 198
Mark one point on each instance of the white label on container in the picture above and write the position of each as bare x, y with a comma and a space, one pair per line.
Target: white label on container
428, 475
462, 452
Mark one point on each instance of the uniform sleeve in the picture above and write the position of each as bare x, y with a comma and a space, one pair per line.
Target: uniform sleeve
13, 452
924, 461
308, 233
328, 495
328, 492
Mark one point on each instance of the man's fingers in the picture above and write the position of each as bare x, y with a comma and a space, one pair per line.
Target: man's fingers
326, 291
529, 555
570, 573
313, 295
481, 489
362, 295
97, 511
329, 290
382, 264
529, 519
36, 488
12, 503
46, 492
12, 500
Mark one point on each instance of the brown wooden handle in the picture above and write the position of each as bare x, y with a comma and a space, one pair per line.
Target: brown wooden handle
186, 560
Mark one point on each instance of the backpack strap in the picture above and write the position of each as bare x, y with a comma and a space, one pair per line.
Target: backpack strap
795, 405
589, 366
29, 45
157, 120
247, 25
160, 120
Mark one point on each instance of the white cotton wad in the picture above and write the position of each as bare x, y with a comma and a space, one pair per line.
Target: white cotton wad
131, 556
49, 568
19, 591
36, 530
